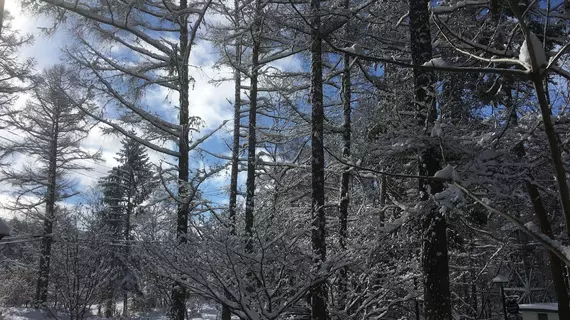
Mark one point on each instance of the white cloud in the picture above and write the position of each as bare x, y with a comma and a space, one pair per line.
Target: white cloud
6, 214
212, 102
291, 63
45, 50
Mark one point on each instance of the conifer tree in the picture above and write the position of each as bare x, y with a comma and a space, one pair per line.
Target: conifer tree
51, 128
125, 188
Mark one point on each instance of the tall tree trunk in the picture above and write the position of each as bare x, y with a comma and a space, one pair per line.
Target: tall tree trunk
1, 14
47, 239
345, 177
537, 77
555, 153
563, 190
236, 133
226, 313
109, 308
179, 291
251, 137
556, 265
318, 292
382, 200
437, 302
127, 237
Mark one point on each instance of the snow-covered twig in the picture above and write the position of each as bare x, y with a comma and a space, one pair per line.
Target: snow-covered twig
551, 244
384, 173
459, 5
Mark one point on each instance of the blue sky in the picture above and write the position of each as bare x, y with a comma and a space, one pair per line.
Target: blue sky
208, 101
211, 102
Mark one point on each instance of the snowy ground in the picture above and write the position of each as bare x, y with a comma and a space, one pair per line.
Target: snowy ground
33, 314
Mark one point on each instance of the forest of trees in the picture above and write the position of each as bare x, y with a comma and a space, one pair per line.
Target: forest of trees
385, 159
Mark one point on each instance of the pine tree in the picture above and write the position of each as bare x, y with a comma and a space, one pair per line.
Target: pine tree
52, 127
145, 29
125, 188
15, 73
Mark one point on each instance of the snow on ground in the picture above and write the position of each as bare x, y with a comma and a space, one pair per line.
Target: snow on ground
12, 313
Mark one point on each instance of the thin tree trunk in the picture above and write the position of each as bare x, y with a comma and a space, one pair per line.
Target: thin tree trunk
345, 177
251, 137
382, 201
555, 153
47, 239
109, 310
179, 291
537, 78
556, 265
226, 313
127, 237
1, 14
236, 136
437, 302
318, 292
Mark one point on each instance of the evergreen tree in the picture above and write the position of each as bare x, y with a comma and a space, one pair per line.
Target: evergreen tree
52, 127
125, 188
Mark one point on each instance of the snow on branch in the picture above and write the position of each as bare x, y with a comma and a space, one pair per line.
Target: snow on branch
537, 48
439, 9
447, 68
563, 252
437, 63
88, 13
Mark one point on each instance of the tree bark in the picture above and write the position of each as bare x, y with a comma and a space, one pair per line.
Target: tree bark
537, 77
127, 235
226, 313
437, 302
179, 291
251, 137
345, 177
556, 265
318, 292
555, 153
1, 14
51, 195
237, 115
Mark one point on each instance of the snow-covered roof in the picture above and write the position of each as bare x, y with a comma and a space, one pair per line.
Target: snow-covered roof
4, 229
552, 307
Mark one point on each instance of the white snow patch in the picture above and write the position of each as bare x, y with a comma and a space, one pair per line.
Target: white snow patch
4, 229
436, 62
355, 48
449, 198
539, 306
539, 54
437, 130
447, 173
16, 313
456, 5
407, 212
